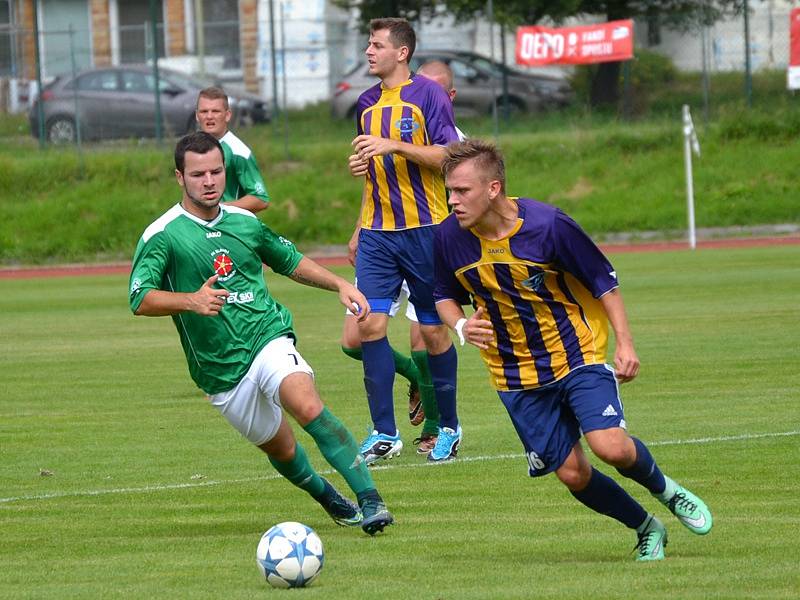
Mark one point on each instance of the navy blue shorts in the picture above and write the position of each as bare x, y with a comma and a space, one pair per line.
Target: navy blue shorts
549, 420
385, 258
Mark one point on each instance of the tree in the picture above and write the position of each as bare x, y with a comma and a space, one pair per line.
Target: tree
680, 14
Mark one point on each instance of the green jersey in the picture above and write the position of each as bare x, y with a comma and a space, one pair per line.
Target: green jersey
179, 251
242, 177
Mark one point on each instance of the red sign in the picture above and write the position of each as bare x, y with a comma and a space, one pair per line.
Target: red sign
793, 75
794, 36
603, 42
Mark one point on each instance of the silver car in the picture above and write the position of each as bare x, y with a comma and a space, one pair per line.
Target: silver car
477, 79
119, 102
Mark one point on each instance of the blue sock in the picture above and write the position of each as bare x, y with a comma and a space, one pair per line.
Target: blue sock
444, 369
379, 381
605, 496
645, 471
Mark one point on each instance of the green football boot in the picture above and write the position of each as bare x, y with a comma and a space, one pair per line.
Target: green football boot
652, 540
690, 510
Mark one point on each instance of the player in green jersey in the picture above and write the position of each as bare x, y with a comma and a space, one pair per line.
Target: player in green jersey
201, 264
244, 185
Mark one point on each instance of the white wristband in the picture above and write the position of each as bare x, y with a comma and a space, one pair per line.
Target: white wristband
459, 329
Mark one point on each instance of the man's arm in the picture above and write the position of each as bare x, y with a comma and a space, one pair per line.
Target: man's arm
310, 273
370, 146
626, 363
206, 301
352, 245
248, 175
252, 203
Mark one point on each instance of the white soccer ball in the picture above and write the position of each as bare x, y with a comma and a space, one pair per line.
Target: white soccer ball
290, 555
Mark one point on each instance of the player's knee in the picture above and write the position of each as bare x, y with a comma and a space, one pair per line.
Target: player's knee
373, 328
613, 446
617, 452
437, 339
351, 339
574, 476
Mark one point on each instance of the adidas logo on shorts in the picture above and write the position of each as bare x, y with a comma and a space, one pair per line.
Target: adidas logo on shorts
610, 412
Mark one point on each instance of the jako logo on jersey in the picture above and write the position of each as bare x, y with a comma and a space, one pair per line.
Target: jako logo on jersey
223, 265
496, 250
284, 241
533, 282
213, 234
407, 125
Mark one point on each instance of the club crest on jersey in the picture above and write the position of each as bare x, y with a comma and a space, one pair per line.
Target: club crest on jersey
223, 265
534, 282
406, 125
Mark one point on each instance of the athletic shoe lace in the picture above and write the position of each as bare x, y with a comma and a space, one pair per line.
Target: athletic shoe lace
645, 542
680, 502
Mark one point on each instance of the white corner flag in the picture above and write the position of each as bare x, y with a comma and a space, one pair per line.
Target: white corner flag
690, 144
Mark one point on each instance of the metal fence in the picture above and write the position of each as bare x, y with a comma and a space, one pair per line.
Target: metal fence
294, 60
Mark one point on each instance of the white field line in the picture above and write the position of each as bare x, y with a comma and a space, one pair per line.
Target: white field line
465, 459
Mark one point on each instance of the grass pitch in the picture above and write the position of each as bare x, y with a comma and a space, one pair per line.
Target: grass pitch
118, 480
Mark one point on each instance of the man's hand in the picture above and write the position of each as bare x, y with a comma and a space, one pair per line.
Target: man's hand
358, 166
353, 299
478, 331
369, 146
208, 301
626, 363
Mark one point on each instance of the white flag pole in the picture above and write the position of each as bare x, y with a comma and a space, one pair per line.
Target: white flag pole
689, 143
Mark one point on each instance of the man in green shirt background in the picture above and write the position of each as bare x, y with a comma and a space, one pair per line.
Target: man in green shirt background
244, 185
201, 264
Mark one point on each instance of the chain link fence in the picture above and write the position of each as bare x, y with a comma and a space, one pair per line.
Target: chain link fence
296, 59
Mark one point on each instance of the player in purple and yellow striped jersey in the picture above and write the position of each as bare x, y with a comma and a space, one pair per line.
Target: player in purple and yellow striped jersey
403, 124
544, 295
422, 406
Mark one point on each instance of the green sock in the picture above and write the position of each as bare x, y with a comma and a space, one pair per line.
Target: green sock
300, 472
339, 448
354, 353
428, 396
403, 365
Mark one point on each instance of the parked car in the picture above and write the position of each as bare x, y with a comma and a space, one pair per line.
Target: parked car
119, 102
477, 79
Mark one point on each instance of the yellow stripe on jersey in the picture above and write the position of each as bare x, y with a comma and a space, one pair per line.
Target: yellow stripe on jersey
532, 326
407, 193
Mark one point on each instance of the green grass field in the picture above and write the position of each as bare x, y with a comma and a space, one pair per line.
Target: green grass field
610, 176
118, 480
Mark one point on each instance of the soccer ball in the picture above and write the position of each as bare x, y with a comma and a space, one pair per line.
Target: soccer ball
290, 555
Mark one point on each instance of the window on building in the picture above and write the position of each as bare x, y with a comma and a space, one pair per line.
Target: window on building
6, 39
135, 30
221, 31
66, 36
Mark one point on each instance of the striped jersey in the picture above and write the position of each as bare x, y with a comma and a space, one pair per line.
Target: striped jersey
179, 251
401, 194
540, 288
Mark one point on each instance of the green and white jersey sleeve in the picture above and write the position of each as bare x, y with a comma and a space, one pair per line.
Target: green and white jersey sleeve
242, 176
179, 252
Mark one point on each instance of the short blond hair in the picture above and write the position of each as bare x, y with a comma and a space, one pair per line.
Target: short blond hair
213, 93
488, 159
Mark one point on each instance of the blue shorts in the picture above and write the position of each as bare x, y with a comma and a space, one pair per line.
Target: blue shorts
385, 258
549, 420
